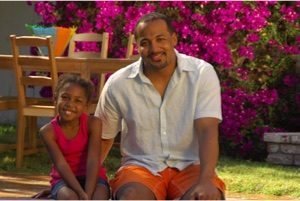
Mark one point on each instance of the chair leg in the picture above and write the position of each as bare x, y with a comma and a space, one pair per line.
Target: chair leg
20, 140
101, 83
32, 132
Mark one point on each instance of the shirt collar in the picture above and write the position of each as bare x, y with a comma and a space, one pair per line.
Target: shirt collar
183, 64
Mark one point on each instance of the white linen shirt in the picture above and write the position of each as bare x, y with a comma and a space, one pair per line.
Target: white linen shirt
157, 133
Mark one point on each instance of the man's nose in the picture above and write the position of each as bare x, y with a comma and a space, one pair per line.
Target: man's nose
154, 47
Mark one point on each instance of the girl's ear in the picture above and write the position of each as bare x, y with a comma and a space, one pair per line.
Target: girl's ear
87, 105
54, 99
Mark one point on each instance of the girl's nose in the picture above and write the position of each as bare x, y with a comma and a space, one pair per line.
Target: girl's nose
69, 103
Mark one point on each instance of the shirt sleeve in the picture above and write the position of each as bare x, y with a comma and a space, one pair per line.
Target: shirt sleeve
209, 94
107, 111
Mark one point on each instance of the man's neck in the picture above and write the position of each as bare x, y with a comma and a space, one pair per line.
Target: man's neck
160, 78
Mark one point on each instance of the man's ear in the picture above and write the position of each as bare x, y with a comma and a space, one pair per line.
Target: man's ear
136, 42
174, 38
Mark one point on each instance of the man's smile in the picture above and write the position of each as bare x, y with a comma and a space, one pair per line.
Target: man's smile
156, 57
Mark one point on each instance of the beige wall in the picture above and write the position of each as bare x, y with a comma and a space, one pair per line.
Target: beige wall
13, 17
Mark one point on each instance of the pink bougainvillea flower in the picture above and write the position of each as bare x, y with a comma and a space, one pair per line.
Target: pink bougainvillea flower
289, 14
252, 37
247, 51
290, 80
243, 73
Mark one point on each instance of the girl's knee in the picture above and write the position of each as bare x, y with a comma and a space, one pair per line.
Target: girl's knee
66, 193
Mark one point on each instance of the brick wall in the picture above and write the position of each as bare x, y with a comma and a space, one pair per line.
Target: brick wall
283, 148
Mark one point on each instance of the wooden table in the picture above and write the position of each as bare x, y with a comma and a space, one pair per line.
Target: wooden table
85, 67
82, 66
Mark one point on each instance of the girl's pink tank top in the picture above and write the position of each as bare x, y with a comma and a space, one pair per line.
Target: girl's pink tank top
74, 150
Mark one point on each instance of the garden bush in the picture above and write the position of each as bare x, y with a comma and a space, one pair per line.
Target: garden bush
252, 45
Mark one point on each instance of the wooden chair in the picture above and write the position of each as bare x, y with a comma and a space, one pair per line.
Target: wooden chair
130, 48
8, 102
89, 37
92, 37
28, 111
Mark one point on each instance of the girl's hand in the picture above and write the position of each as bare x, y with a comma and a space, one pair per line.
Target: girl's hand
44, 194
83, 196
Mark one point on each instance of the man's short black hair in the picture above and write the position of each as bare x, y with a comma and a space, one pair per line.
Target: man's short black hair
150, 17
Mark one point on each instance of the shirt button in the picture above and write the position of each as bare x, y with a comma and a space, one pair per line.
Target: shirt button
164, 133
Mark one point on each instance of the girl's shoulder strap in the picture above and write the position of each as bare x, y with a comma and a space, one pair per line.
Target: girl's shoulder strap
84, 117
84, 123
56, 127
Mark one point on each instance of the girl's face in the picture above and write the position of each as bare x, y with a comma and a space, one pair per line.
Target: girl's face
71, 102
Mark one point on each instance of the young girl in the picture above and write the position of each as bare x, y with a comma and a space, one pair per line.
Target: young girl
72, 139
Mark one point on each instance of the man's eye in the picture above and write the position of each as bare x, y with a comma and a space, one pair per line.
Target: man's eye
144, 44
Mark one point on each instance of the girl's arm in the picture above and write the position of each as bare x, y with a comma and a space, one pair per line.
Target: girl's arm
94, 153
48, 137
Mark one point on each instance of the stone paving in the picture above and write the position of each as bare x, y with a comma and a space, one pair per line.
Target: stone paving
20, 186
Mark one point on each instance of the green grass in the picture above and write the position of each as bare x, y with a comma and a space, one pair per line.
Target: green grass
7, 134
33, 164
259, 177
241, 176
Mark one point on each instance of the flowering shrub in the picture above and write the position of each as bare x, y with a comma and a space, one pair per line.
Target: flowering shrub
251, 45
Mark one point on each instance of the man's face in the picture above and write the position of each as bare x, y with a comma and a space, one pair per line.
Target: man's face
156, 45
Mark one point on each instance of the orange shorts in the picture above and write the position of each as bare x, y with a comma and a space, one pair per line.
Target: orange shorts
172, 184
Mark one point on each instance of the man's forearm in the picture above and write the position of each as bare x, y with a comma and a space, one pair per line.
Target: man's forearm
106, 145
208, 152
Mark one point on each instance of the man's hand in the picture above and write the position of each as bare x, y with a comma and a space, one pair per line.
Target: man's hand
205, 190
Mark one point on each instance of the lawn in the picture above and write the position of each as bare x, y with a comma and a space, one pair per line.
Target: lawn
248, 179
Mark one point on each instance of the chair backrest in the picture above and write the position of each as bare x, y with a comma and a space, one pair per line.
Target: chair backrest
89, 37
25, 63
130, 48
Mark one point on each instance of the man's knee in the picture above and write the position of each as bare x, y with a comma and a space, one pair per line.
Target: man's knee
134, 191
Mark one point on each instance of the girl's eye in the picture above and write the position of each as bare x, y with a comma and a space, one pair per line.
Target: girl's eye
64, 97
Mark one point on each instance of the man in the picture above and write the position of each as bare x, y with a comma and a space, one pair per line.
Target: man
167, 106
